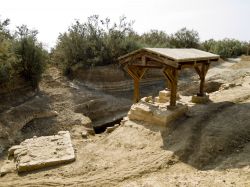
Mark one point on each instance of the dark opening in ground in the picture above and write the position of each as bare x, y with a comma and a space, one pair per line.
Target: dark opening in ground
100, 129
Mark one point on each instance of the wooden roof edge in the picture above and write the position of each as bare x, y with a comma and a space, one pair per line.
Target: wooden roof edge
129, 54
143, 49
214, 56
167, 57
198, 59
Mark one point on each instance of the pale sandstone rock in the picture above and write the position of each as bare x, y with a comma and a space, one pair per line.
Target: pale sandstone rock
8, 167
200, 99
36, 153
164, 96
124, 120
161, 100
148, 99
164, 93
155, 114
84, 134
111, 129
90, 131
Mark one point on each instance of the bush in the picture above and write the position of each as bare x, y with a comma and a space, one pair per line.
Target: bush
226, 48
98, 42
20, 55
95, 42
185, 38
155, 38
7, 56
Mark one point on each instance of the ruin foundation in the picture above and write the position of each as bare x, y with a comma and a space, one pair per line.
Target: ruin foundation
40, 152
155, 113
200, 99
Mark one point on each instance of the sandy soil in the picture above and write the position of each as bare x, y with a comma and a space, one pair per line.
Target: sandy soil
210, 146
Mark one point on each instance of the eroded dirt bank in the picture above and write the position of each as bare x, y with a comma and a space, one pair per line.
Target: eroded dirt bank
63, 104
210, 146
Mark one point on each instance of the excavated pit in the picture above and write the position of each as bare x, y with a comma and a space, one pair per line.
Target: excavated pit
102, 128
209, 146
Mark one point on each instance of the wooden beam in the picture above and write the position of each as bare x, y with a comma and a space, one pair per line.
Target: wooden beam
143, 59
202, 71
172, 76
148, 66
131, 73
130, 58
136, 91
162, 60
136, 73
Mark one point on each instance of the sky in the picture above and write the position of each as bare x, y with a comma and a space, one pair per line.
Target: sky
216, 19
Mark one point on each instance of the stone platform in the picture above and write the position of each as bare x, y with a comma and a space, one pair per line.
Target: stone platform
155, 113
200, 99
40, 152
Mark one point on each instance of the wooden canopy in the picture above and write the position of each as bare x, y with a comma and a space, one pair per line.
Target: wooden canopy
169, 61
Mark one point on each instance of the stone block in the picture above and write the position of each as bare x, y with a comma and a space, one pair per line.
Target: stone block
111, 129
8, 167
44, 151
164, 96
164, 93
162, 100
200, 99
154, 114
148, 99
84, 134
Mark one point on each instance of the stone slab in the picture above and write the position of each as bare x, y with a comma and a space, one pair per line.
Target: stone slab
164, 96
200, 99
164, 93
40, 152
155, 114
162, 100
7, 167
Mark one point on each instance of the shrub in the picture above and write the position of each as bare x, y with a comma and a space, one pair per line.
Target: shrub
155, 38
20, 55
98, 42
185, 38
7, 56
95, 42
31, 55
226, 48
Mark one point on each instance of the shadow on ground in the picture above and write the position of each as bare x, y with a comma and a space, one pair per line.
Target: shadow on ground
213, 136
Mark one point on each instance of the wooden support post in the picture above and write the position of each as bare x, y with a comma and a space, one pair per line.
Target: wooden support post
172, 76
202, 80
136, 73
136, 91
173, 88
202, 71
167, 83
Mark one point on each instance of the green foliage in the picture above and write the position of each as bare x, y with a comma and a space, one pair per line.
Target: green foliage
95, 42
185, 38
226, 48
155, 38
20, 55
4, 32
99, 42
30, 54
7, 56
245, 48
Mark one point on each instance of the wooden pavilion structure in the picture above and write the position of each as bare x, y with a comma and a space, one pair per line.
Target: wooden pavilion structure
169, 61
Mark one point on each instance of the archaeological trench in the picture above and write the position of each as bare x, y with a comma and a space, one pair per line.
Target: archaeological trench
156, 114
